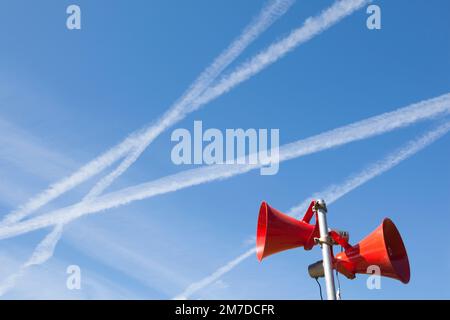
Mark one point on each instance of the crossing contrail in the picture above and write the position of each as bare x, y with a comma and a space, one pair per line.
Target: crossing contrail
356, 131
330, 139
330, 194
136, 143
266, 18
55, 190
311, 28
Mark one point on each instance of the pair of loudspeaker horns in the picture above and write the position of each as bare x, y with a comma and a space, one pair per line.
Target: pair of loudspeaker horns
384, 247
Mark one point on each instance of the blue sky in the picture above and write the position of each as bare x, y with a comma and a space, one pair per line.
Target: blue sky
67, 96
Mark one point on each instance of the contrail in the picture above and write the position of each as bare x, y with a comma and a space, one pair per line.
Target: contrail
337, 137
136, 143
41, 254
193, 288
331, 194
268, 15
191, 102
55, 190
312, 27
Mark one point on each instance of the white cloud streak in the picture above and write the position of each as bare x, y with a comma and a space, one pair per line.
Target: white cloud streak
40, 255
89, 170
360, 130
330, 194
312, 27
215, 276
190, 102
135, 144
268, 15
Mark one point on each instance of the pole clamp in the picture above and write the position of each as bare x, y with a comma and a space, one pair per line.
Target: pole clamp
320, 204
327, 240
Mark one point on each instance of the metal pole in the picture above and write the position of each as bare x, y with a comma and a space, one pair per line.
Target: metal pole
325, 242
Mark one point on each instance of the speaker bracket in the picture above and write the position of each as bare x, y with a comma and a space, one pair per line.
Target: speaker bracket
320, 204
327, 240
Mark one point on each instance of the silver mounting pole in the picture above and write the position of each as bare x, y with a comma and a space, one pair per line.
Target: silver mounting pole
325, 242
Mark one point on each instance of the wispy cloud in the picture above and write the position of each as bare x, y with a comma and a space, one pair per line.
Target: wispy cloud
147, 263
337, 137
41, 254
54, 276
133, 146
55, 190
330, 194
26, 160
268, 15
215, 276
136, 143
312, 27
190, 102
20, 150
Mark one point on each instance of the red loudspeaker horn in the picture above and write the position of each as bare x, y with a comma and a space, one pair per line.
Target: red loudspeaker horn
278, 232
383, 247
